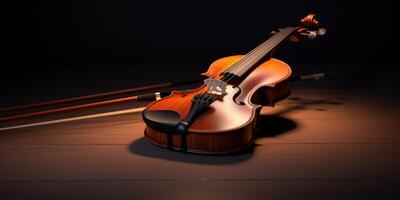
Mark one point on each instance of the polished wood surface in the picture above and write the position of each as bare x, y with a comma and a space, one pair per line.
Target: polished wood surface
330, 140
229, 123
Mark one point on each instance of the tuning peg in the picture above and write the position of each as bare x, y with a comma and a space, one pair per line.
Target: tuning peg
321, 31
310, 34
313, 34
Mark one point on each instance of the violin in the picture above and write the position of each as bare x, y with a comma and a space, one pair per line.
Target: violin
222, 114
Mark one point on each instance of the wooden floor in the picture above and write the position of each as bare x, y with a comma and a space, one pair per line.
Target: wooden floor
325, 142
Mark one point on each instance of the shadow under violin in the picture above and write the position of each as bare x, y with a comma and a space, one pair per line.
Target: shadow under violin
271, 126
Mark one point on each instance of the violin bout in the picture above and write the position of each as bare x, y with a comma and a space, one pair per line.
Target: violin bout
221, 116
227, 125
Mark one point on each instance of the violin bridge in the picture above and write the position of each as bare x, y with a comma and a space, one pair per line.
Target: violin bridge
216, 87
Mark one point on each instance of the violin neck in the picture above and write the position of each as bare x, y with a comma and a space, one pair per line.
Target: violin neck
259, 54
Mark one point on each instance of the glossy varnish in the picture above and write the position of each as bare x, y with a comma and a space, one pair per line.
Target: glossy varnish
228, 124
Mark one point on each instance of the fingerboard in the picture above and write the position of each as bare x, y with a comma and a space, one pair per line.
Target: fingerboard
248, 62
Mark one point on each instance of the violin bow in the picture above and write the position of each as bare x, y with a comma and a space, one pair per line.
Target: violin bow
101, 95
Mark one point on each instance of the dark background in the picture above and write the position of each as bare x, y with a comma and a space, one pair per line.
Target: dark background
55, 49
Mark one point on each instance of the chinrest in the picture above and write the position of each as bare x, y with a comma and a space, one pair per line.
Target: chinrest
166, 120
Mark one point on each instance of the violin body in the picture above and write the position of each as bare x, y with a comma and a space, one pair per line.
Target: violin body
221, 116
229, 123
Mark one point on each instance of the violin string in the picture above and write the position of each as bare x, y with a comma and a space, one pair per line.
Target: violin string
249, 58
263, 45
239, 64
239, 67
258, 54
273, 43
252, 57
